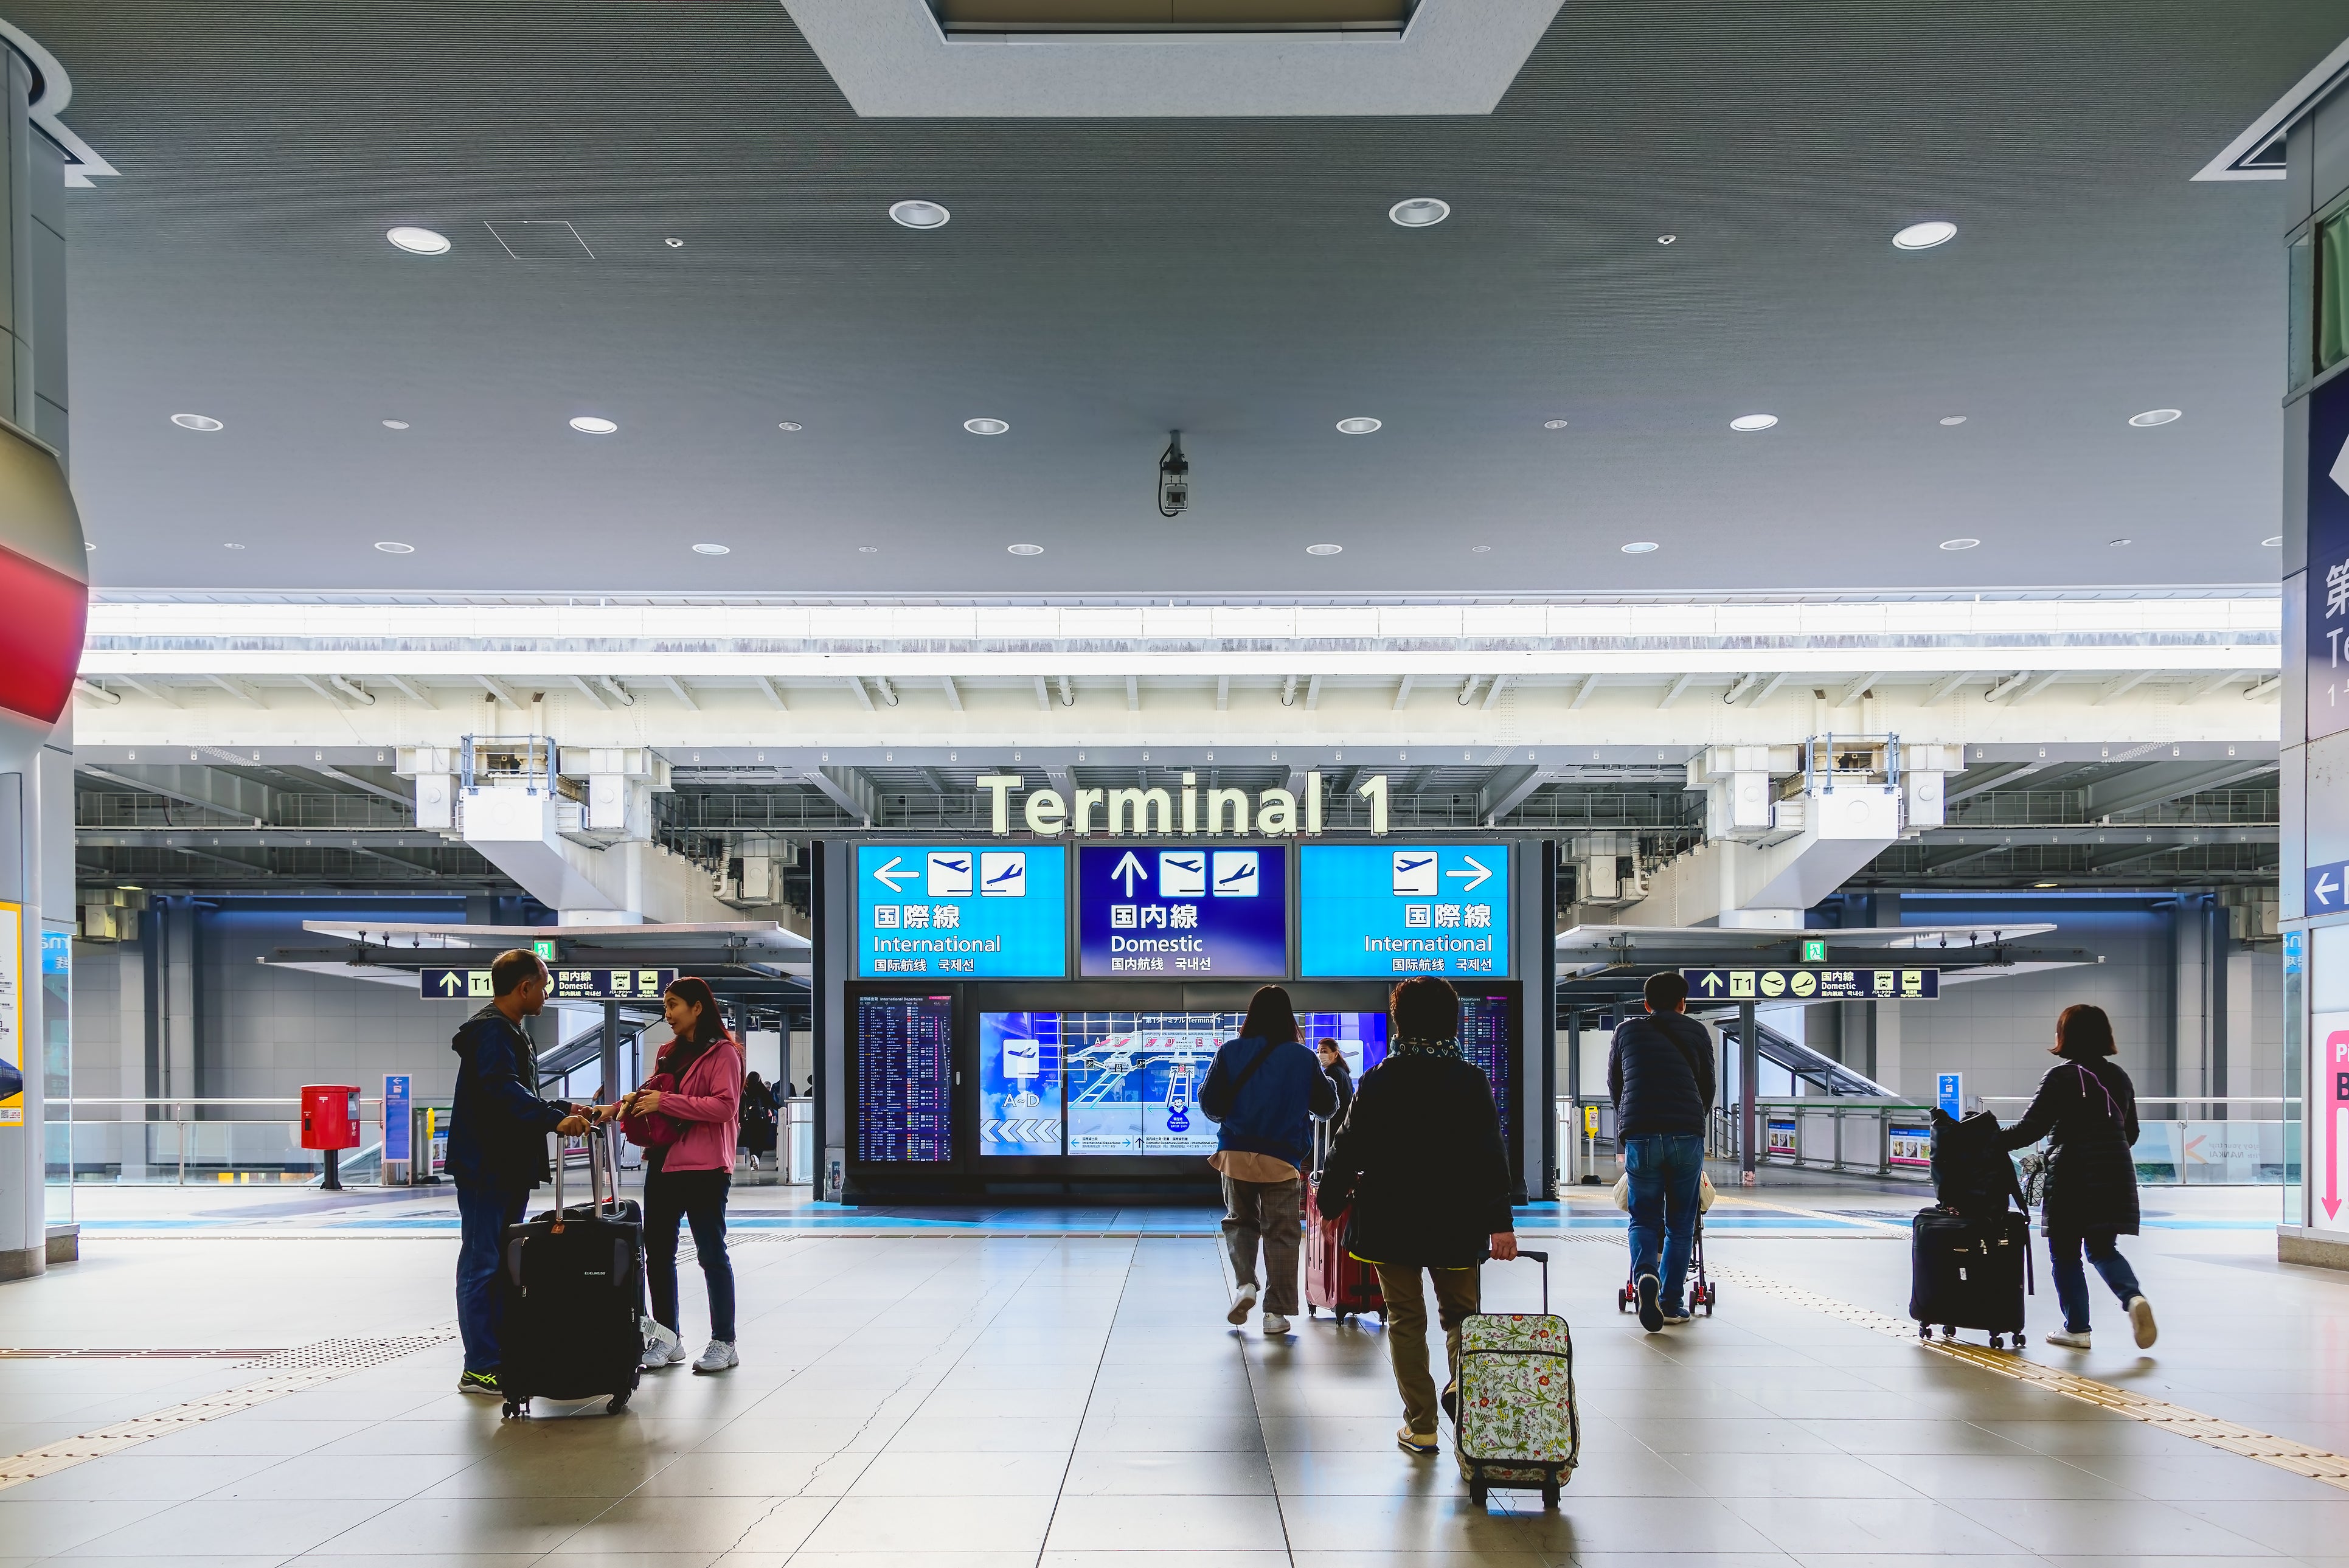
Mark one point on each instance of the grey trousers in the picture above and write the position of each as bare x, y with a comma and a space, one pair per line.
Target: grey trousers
1270, 1213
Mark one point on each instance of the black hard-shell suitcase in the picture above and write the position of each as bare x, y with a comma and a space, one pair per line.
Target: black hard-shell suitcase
573, 1327
1969, 1274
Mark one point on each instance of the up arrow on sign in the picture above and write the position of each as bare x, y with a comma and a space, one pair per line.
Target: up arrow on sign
2327, 885
1127, 868
452, 983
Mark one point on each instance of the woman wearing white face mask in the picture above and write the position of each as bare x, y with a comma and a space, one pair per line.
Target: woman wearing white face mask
685, 1116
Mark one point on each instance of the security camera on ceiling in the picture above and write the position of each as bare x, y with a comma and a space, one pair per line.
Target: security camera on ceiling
1173, 478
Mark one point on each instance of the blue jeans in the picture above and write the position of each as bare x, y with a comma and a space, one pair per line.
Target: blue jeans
2071, 1280
1664, 1168
482, 1215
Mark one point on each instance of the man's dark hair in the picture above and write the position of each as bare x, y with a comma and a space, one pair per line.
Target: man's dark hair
1665, 990
1271, 1017
1425, 1008
510, 969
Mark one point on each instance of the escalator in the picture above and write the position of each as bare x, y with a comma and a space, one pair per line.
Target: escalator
1789, 1068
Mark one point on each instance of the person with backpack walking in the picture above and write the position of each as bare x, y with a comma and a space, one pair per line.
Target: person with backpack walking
1659, 1072
2086, 1110
686, 1116
1264, 1088
1420, 1161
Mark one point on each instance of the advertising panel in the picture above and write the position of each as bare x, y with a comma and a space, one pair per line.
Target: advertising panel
1910, 1146
963, 914
1179, 912
1371, 911
2328, 1132
12, 1015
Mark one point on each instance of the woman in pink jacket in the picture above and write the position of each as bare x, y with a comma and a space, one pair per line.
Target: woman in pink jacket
687, 1178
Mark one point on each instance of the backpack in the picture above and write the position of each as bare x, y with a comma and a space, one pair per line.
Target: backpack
1972, 1171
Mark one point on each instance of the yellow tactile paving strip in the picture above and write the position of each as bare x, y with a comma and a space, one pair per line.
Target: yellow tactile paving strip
2300, 1459
288, 1372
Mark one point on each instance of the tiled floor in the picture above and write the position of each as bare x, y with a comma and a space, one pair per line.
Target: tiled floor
959, 1401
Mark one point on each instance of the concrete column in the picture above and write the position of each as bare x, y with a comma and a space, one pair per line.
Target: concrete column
2186, 1065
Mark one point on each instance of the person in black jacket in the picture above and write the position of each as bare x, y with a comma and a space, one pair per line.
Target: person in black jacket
1341, 1075
1659, 1072
497, 1149
1420, 1161
2086, 1110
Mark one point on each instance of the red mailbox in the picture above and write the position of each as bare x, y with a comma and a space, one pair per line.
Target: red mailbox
330, 1116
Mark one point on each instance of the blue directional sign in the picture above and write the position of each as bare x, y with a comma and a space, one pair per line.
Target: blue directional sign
1375, 911
1950, 1093
1161, 911
1813, 984
564, 985
965, 912
2328, 888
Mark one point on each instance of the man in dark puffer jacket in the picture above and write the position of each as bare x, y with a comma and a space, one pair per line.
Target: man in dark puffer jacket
1660, 1071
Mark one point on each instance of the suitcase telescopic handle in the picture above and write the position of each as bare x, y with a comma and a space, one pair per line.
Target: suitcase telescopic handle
558, 1183
611, 1156
1542, 1258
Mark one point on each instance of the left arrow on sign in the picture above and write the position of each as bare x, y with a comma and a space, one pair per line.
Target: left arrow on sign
2325, 888
1478, 875
893, 874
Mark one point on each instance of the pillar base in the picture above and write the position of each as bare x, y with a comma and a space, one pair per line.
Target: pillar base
23, 1263
65, 1244
2317, 1249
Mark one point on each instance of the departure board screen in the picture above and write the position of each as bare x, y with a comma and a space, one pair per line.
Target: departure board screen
905, 1079
1485, 1034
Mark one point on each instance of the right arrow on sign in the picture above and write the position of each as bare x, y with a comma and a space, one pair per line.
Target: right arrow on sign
1478, 875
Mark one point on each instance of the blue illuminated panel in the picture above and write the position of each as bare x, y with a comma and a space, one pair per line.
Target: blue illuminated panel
962, 913
1367, 910
905, 1078
1183, 913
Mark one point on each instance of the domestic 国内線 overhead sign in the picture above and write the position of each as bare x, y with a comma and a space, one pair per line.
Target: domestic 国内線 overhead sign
1813, 984
1182, 912
564, 984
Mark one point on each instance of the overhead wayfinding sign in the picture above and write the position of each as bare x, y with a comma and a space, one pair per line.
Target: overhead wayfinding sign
2328, 888
1155, 912
1372, 911
1813, 984
966, 914
567, 985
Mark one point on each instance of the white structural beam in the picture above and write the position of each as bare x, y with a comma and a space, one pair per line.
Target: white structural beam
618, 691
946, 684
1856, 689
2205, 686
2040, 682
154, 691
677, 689
1945, 688
1313, 694
775, 697
2009, 686
1582, 693
593, 693
864, 697
1672, 692
503, 693
1739, 687
1769, 688
2119, 685
243, 691
1222, 693
412, 690
1134, 694
1402, 694
1043, 697
1502, 682
95, 694
352, 689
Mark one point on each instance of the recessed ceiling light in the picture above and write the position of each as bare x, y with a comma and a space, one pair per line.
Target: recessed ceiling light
1419, 211
1325, 550
1360, 426
594, 425
674, 244
868, 549
1553, 423
231, 547
1480, 550
2156, 417
920, 214
1954, 420
395, 424
1925, 236
2117, 543
1752, 421
1960, 543
788, 425
712, 549
196, 422
1641, 547
418, 242
1666, 239
393, 547
1025, 549
985, 427
2272, 542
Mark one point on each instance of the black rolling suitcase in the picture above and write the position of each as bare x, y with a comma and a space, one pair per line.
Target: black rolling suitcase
1969, 1274
573, 1326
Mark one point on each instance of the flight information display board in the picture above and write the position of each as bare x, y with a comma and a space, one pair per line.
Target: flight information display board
1372, 911
905, 1079
962, 913
1181, 913
1488, 1038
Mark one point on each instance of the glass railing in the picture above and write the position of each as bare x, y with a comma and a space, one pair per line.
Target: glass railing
166, 1141
2254, 1142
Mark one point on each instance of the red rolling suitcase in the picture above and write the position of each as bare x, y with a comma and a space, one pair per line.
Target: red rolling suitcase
1344, 1284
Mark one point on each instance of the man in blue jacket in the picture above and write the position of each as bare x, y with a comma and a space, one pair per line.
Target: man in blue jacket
1265, 1088
1659, 1072
497, 1148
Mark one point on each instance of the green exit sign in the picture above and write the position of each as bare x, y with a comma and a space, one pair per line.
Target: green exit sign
545, 950
1814, 953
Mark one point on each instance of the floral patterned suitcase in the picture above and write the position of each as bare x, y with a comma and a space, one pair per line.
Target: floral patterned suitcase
1517, 1426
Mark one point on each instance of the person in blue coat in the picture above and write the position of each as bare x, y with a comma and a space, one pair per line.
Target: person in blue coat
1265, 1088
497, 1149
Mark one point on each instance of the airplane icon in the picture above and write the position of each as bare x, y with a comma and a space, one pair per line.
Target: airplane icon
1003, 873
1236, 873
950, 873
1415, 874
1181, 875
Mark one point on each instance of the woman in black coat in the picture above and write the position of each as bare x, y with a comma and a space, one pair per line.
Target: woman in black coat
2086, 1110
1420, 1161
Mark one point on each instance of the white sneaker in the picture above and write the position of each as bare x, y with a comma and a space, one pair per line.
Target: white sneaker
2140, 1313
1242, 1305
663, 1347
2069, 1340
1275, 1325
718, 1357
